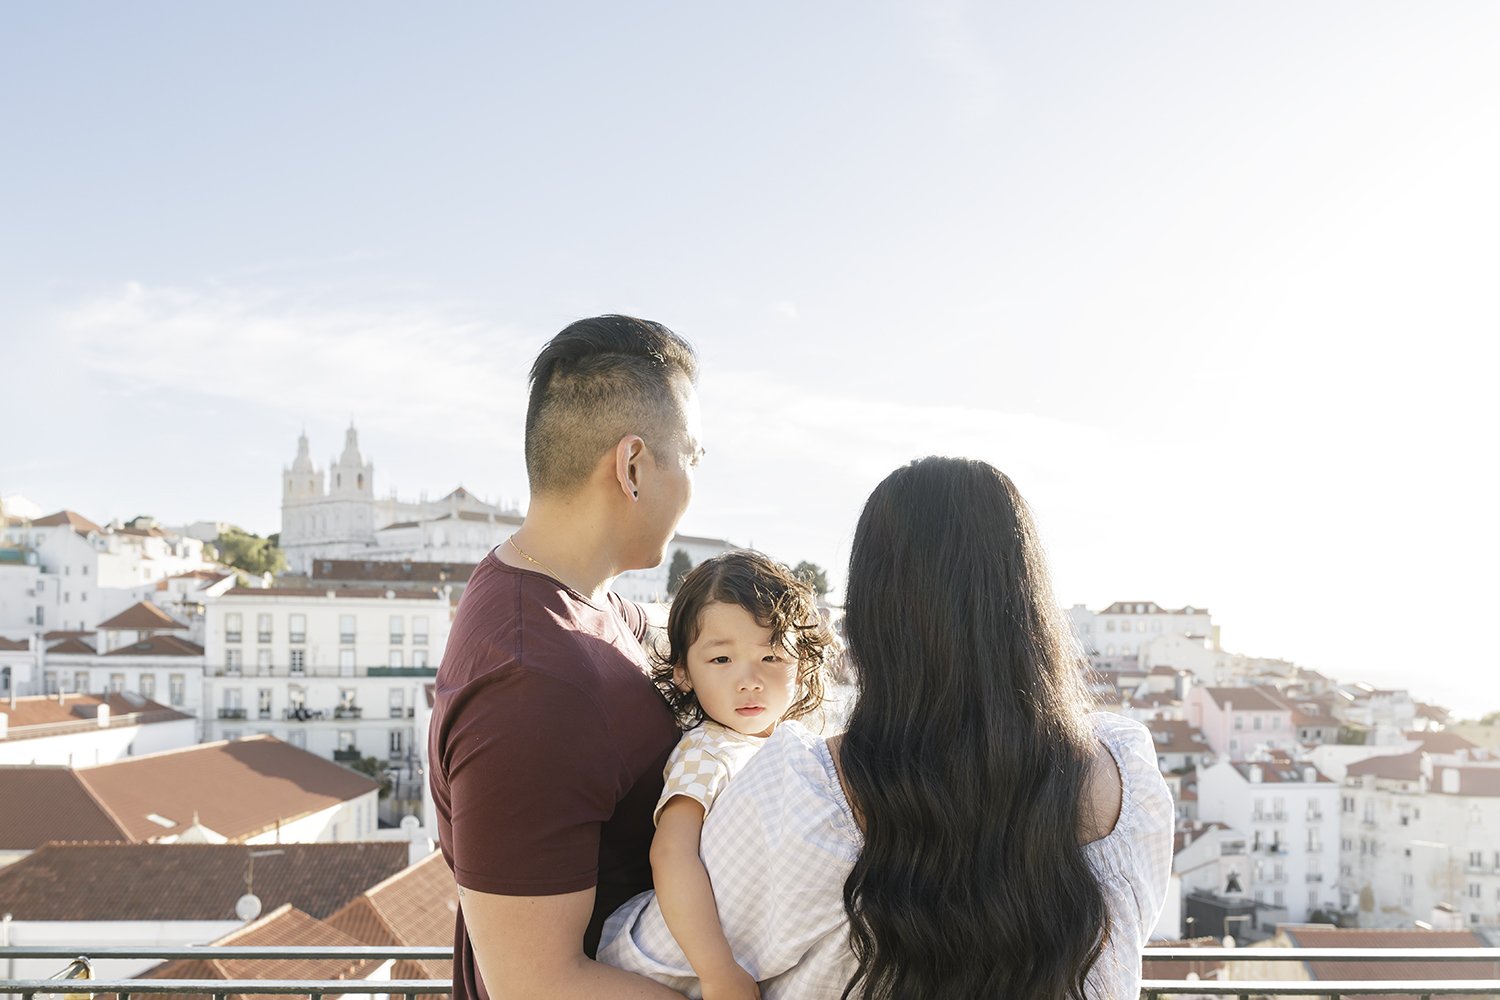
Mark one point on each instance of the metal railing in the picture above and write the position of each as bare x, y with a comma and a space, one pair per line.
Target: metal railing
1151, 989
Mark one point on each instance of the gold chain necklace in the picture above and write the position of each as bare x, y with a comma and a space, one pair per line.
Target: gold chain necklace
535, 562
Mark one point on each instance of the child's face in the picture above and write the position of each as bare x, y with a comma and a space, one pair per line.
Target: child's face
741, 680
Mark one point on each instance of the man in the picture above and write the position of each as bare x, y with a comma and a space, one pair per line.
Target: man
548, 737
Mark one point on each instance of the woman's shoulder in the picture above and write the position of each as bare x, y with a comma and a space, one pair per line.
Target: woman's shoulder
1144, 802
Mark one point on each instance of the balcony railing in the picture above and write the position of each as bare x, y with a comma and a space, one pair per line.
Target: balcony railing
231, 713
221, 989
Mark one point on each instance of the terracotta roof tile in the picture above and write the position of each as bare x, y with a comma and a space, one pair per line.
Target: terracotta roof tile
71, 647
286, 926
142, 616
1394, 767
1246, 699
72, 519
1335, 937
49, 803
91, 881
47, 710
237, 788
1176, 736
1483, 781
63, 633
13, 645
415, 907
390, 571
159, 645
1441, 742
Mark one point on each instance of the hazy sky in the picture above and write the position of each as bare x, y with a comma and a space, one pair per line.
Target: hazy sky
1216, 284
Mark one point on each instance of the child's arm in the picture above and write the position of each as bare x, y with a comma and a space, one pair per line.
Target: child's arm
687, 902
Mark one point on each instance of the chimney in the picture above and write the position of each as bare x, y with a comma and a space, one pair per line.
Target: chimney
1309, 774
1256, 775
1450, 780
103, 715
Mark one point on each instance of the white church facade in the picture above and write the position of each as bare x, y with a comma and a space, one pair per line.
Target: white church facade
335, 514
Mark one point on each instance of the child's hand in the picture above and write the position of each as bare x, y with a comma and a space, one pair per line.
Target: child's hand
732, 983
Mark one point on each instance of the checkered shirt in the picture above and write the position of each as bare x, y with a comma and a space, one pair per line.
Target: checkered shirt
705, 758
780, 843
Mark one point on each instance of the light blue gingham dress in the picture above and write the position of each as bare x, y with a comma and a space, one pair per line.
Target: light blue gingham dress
780, 842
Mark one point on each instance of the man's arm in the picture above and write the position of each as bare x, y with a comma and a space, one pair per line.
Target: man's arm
529, 946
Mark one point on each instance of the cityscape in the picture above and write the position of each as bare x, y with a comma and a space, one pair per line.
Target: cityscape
178, 706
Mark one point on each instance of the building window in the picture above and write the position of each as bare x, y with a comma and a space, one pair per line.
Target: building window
176, 689
263, 661
81, 681
297, 628
147, 686
1475, 892
398, 630
263, 703
346, 663
395, 659
298, 659
396, 748
419, 630
419, 658
263, 627
1109, 626
297, 738
233, 624
398, 703
346, 628
1476, 859
1239, 722
116, 683
233, 659
346, 739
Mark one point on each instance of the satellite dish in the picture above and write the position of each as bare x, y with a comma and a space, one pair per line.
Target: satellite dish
247, 907
410, 823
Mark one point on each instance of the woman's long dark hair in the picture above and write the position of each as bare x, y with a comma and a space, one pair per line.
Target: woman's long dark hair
967, 754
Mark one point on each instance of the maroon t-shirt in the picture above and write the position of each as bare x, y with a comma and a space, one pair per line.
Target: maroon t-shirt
547, 746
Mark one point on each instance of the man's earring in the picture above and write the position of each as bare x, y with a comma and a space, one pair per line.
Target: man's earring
635, 494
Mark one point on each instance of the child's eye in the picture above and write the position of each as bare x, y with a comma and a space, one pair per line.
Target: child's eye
773, 658
719, 659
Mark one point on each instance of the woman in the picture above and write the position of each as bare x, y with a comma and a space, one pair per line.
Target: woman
975, 832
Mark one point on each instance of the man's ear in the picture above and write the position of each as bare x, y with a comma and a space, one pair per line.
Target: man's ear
628, 454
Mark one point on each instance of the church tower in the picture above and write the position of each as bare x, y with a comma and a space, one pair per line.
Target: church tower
349, 511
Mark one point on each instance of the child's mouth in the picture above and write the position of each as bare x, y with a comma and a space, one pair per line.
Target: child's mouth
750, 710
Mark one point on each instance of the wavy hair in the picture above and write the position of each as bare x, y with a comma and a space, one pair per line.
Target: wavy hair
967, 754
774, 597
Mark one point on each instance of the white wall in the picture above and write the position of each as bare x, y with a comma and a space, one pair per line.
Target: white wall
99, 746
82, 933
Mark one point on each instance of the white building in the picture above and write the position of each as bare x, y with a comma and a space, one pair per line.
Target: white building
1290, 813
1117, 635
336, 515
1211, 859
86, 573
76, 730
1421, 830
338, 672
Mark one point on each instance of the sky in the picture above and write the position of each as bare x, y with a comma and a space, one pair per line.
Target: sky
1214, 283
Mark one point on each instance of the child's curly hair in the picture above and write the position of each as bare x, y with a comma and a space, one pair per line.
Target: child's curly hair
774, 598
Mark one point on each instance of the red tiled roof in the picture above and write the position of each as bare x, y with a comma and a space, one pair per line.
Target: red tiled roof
72, 647
72, 519
284, 927
415, 907
1245, 699
1336, 937
142, 616
1439, 741
13, 645
92, 881
1471, 780
237, 788
1396, 767
159, 645
1158, 969
268, 592
391, 572
49, 803
1152, 700
1274, 772
1176, 736
47, 710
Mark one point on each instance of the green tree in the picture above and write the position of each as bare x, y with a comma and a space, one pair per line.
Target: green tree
813, 575
677, 570
375, 769
245, 551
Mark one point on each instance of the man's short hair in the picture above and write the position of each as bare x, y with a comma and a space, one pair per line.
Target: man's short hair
596, 381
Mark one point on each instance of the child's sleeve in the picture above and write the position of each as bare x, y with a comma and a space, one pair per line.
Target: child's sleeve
693, 771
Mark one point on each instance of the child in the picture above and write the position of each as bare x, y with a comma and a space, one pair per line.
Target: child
746, 648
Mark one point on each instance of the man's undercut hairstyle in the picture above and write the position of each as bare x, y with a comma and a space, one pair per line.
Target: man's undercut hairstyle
595, 382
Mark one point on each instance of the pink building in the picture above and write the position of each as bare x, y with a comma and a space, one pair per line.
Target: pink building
1237, 720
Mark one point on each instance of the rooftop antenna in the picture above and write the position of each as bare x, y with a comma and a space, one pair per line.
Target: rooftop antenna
248, 906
